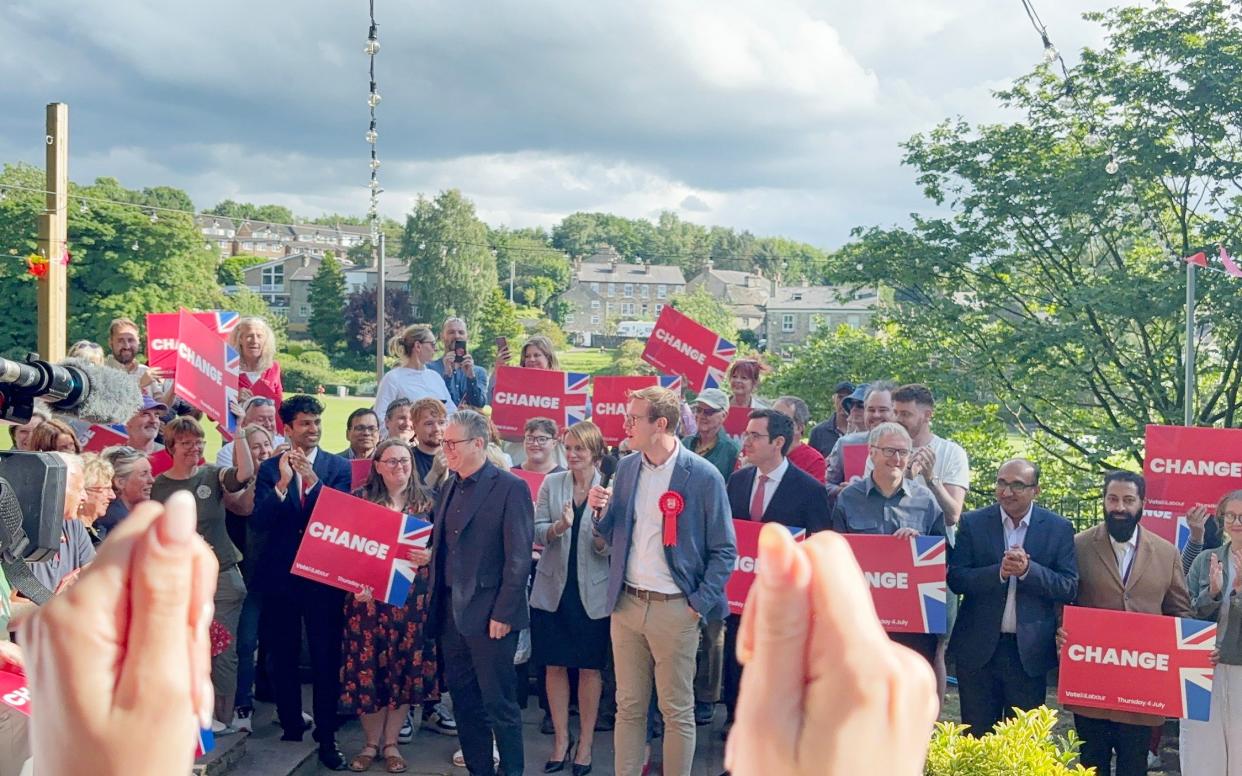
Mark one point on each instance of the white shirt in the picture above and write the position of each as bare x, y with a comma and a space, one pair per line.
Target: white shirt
952, 464
1124, 552
769, 487
413, 384
224, 458
1014, 537
647, 566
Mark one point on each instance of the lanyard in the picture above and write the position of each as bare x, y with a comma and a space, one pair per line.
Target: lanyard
1125, 578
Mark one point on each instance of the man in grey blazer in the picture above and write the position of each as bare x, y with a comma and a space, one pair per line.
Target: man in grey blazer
661, 582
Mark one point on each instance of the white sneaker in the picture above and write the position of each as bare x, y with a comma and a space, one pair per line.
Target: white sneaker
220, 729
308, 719
241, 720
1153, 761
460, 760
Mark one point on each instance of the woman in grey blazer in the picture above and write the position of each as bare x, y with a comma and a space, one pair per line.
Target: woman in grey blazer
569, 600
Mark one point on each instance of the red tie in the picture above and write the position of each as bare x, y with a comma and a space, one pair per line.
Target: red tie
756, 501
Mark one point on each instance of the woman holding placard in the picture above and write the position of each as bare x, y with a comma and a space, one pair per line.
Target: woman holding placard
569, 608
1215, 585
386, 661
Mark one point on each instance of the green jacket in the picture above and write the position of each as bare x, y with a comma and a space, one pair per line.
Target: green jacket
723, 454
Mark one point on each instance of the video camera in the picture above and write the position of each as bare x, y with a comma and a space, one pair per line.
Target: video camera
32, 508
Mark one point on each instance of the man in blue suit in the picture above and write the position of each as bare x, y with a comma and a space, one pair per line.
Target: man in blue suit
1014, 566
672, 547
286, 491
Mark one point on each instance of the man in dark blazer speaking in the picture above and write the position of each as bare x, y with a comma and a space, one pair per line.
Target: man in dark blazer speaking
1014, 566
480, 554
286, 491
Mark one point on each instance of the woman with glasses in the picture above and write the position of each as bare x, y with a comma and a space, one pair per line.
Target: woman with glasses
569, 607
184, 439
99, 494
541, 447
386, 661
416, 347
255, 344
1215, 586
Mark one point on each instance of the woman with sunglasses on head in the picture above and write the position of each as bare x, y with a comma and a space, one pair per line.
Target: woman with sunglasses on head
386, 661
1215, 585
255, 343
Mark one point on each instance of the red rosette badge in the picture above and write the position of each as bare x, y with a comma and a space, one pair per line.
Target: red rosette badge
220, 638
671, 505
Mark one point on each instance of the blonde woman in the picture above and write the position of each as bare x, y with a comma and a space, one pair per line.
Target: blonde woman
255, 344
88, 351
416, 347
537, 353
99, 493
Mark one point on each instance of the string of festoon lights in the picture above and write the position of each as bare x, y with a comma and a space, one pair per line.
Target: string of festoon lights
372, 48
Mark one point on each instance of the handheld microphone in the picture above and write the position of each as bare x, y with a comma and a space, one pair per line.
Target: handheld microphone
607, 468
74, 387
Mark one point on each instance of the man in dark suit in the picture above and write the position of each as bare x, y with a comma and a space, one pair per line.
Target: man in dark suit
672, 546
1014, 566
769, 490
480, 550
286, 492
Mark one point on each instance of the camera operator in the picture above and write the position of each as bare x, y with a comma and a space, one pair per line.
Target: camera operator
76, 550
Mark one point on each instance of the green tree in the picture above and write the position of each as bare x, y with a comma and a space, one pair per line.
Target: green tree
707, 310
540, 271
327, 298
579, 234
1055, 278
497, 318
231, 271
447, 250
244, 210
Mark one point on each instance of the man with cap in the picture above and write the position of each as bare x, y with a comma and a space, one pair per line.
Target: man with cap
877, 403
826, 434
710, 408
144, 426
720, 450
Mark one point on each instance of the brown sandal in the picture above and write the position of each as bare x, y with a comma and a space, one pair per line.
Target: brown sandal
363, 761
395, 762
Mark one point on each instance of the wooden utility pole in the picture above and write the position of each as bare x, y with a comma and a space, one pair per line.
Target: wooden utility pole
53, 229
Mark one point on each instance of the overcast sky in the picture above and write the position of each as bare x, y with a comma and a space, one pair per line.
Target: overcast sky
780, 117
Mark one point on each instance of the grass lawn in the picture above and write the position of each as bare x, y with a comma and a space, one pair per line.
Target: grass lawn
336, 410
589, 360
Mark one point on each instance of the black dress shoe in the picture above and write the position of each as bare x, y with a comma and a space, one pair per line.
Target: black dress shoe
605, 722
556, 766
331, 758
581, 770
294, 735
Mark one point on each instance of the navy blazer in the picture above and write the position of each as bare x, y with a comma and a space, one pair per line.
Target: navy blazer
706, 548
799, 501
974, 573
492, 551
283, 521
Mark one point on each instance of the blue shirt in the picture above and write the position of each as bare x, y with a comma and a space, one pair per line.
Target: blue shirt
463, 388
863, 508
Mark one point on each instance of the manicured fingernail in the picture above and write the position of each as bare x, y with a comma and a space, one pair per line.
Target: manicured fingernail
776, 556
206, 703
177, 524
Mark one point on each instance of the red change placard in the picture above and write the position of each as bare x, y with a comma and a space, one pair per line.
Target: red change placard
359, 470
521, 394
680, 345
353, 544
907, 580
1142, 663
162, 331
854, 460
747, 562
96, 438
13, 690
533, 480
1184, 467
201, 368
610, 395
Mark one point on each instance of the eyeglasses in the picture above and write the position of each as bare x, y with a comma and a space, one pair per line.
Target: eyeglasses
1017, 488
451, 444
752, 435
538, 440
699, 409
633, 419
365, 429
893, 452
1231, 518
260, 401
395, 463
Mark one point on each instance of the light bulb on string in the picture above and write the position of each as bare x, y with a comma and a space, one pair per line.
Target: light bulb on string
374, 99
374, 184
154, 217
372, 135
135, 246
1112, 167
375, 164
83, 209
372, 48
1050, 53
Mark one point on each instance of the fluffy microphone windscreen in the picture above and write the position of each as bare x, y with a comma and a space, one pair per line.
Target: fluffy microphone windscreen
113, 396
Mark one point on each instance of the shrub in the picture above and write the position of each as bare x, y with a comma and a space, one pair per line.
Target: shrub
300, 376
1021, 746
315, 358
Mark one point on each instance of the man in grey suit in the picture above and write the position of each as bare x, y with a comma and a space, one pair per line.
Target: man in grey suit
661, 582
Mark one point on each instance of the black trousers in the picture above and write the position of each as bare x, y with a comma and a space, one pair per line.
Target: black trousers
922, 643
321, 609
1102, 737
990, 693
483, 682
731, 673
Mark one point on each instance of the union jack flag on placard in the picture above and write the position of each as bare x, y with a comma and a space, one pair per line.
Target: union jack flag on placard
1195, 641
225, 321
907, 580
232, 373
671, 382
722, 355
577, 397
415, 532
929, 572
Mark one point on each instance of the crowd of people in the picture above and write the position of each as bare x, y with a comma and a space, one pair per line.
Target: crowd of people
610, 598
